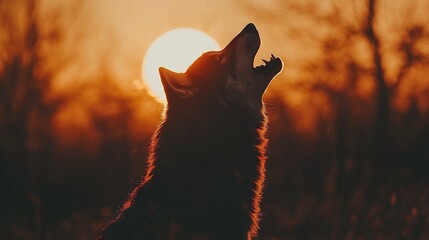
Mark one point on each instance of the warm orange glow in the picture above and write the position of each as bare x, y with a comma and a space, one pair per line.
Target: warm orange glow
175, 50
347, 120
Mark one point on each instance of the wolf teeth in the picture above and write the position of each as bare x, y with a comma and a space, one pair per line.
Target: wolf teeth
272, 57
269, 66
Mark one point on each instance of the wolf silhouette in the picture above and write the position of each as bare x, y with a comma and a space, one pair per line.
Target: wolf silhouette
206, 166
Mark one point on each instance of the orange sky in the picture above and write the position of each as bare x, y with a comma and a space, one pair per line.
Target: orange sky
119, 32
123, 30
115, 35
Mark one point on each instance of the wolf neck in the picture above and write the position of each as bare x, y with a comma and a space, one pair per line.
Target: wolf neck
217, 153
209, 146
212, 127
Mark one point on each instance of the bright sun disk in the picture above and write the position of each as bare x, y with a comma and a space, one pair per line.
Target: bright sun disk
175, 50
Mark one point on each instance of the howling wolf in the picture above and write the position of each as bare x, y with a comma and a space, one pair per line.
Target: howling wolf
206, 164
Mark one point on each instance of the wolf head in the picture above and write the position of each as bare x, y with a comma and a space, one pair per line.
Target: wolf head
223, 79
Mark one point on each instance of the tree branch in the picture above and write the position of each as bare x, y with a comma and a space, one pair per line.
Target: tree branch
374, 41
410, 53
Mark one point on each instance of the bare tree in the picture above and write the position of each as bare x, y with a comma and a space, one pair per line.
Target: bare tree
27, 105
39, 42
351, 45
361, 57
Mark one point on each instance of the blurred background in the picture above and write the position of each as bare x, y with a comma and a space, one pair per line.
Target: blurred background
349, 115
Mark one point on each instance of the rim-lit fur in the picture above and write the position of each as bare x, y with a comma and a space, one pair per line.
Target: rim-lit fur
206, 164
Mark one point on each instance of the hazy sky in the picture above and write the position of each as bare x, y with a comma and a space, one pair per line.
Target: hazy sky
123, 30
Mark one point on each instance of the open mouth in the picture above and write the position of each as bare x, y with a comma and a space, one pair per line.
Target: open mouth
249, 37
272, 66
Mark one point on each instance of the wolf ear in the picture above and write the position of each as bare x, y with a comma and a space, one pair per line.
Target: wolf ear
176, 84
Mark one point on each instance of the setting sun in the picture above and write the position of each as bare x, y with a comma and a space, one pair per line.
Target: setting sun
175, 50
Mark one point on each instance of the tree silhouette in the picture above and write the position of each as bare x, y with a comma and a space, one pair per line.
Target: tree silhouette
355, 47
55, 185
356, 62
27, 106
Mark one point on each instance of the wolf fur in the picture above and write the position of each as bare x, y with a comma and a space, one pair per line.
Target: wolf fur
206, 164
